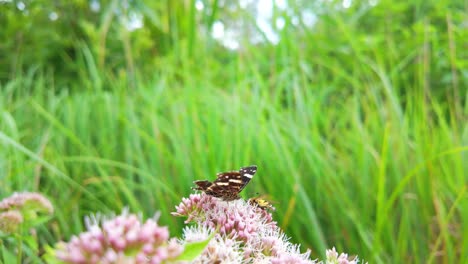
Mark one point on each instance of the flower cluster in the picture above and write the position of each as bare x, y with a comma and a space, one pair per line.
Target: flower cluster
22, 207
334, 258
231, 232
243, 232
122, 239
235, 219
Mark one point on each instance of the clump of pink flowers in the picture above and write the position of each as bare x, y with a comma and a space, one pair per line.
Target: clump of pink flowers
228, 232
122, 239
343, 258
22, 207
235, 219
242, 233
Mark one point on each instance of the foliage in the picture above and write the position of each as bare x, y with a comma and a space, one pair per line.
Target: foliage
357, 123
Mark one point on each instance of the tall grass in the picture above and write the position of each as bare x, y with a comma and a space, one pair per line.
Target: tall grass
357, 149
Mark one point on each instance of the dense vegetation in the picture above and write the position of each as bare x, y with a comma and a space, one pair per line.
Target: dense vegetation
358, 124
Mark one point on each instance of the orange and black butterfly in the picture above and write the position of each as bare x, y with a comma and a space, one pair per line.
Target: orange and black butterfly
227, 185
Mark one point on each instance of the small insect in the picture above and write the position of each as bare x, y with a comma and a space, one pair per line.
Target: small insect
261, 203
227, 185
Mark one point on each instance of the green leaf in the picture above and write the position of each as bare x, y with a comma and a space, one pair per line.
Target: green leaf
8, 257
193, 250
49, 255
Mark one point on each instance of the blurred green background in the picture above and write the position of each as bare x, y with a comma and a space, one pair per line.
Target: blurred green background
354, 111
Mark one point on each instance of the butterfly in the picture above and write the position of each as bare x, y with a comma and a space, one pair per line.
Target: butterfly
227, 185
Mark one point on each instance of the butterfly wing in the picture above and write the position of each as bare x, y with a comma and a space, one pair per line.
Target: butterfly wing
247, 174
227, 185
201, 185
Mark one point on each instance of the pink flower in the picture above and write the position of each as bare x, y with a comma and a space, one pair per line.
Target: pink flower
235, 219
27, 203
194, 206
10, 221
21, 208
221, 250
290, 259
334, 258
122, 239
244, 232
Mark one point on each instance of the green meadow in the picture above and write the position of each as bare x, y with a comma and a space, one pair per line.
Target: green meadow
358, 124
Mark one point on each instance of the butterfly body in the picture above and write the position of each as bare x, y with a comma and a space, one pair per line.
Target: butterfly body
227, 185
